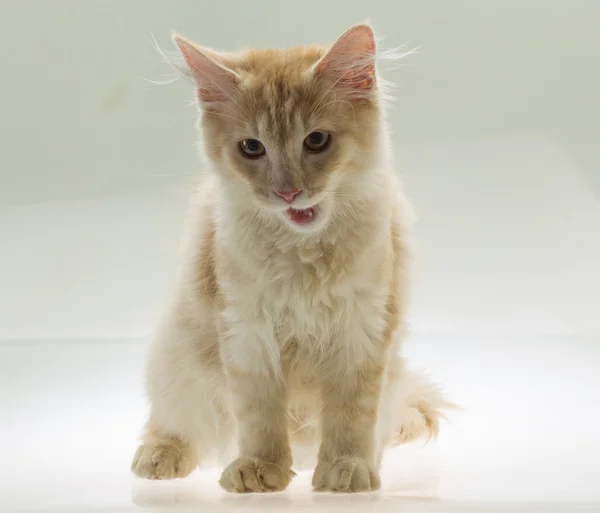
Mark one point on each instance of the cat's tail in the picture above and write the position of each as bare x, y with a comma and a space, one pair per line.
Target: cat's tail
421, 407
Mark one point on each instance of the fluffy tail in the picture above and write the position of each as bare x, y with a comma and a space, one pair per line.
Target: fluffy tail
421, 405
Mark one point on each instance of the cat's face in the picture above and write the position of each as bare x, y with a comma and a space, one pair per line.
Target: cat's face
290, 127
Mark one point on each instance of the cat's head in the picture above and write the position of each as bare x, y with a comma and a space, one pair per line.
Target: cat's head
289, 129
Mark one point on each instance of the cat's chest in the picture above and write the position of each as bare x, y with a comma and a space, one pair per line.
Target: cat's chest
314, 298
309, 307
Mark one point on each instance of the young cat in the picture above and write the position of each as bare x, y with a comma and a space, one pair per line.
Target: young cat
289, 314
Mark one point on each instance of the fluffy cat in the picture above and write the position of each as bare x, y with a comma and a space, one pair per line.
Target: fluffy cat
286, 325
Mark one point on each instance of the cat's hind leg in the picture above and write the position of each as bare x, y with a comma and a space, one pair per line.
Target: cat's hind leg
189, 415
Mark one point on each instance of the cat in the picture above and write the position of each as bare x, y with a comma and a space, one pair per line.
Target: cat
285, 329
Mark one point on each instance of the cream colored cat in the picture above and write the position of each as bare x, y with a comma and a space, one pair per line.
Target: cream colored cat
287, 322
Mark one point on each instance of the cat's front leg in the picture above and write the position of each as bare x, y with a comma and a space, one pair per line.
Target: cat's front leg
347, 457
258, 395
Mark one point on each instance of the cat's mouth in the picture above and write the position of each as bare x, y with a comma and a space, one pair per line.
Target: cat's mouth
302, 215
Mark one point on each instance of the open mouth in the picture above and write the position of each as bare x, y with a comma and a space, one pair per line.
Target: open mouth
301, 216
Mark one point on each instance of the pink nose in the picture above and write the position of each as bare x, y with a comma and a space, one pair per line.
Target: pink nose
288, 195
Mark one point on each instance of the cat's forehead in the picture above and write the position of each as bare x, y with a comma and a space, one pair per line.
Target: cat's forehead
279, 89
267, 63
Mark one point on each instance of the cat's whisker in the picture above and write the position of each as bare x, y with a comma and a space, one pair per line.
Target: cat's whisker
320, 100
335, 101
228, 116
291, 316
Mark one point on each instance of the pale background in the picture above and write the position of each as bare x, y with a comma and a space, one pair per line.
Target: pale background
495, 129
496, 126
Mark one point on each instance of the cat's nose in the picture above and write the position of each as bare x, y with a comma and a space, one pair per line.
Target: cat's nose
288, 195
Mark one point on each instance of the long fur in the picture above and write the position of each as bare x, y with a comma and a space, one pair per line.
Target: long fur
282, 343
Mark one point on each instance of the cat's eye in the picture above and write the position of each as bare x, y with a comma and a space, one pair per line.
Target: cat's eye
252, 148
317, 141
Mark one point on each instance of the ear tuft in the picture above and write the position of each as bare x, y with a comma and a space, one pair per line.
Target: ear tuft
215, 81
350, 62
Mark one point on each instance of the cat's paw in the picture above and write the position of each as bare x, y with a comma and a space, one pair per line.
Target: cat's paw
250, 475
420, 422
163, 461
347, 475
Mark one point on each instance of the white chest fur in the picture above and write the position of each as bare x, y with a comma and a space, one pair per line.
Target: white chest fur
284, 299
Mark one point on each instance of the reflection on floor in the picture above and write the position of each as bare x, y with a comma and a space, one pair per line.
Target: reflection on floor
71, 413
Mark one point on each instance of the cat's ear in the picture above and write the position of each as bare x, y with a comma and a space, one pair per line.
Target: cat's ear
350, 62
215, 81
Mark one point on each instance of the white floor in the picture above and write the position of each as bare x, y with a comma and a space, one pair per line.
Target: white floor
71, 413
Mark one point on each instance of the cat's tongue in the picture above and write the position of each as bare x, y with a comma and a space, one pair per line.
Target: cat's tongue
301, 216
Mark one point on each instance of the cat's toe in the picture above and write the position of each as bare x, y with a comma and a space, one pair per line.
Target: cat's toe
162, 462
346, 474
251, 475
